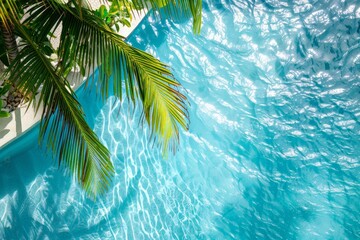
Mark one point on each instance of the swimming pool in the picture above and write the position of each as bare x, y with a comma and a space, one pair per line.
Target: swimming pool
272, 151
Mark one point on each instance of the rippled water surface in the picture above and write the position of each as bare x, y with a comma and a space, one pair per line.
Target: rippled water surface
273, 150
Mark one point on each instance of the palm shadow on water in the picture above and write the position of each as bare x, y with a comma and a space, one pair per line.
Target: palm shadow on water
39, 201
32, 186
29, 195
154, 36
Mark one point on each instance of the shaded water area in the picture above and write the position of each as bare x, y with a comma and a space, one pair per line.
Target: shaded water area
273, 150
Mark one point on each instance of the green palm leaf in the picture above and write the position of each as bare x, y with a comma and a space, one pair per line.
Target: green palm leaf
63, 126
87, 41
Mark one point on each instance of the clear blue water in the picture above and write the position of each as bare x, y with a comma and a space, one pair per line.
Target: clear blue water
273, 150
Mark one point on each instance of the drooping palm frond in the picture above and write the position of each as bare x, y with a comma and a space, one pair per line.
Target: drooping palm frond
88, 41
63, 125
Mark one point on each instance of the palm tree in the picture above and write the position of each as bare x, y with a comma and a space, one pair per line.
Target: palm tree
88, 43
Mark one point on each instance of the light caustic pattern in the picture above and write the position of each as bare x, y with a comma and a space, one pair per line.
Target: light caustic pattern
272, 151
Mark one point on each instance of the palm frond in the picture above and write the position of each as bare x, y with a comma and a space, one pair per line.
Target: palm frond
88, 41
9, 10
63, 125
146, 78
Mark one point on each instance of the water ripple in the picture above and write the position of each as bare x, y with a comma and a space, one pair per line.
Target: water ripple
272, 151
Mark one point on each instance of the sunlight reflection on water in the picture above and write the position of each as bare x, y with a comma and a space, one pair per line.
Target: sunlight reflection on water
272, 151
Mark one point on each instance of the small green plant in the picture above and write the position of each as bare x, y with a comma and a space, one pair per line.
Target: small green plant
116, 14
3, 90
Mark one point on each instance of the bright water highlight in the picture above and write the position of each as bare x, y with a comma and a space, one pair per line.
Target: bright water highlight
273, 150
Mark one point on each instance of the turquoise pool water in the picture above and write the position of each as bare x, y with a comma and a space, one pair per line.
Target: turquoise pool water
273, 150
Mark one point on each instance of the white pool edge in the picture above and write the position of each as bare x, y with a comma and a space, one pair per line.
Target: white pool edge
24, 118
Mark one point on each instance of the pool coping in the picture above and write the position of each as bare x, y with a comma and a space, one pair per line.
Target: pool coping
23, 119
